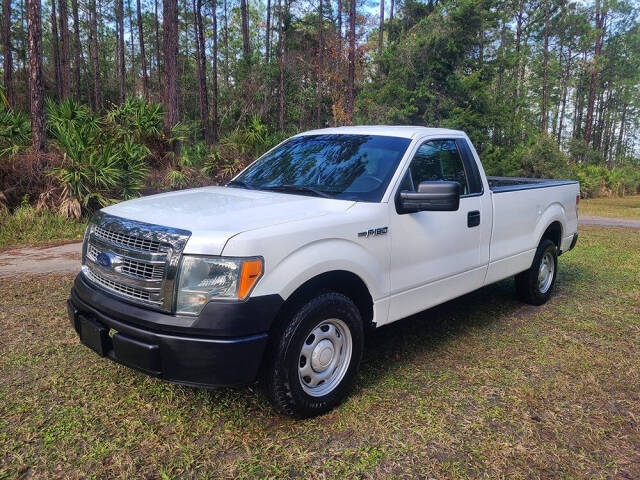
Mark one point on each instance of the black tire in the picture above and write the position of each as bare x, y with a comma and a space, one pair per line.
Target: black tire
280, 378
527, 283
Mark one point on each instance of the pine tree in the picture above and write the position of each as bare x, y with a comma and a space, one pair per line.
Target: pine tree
36, 85
143, 57
7, 53
170, 55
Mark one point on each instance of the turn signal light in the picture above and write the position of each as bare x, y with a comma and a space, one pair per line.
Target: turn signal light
251, 272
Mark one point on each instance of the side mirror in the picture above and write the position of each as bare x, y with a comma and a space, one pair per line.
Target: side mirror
431, 196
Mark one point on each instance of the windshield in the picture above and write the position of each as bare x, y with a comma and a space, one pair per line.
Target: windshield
350, 167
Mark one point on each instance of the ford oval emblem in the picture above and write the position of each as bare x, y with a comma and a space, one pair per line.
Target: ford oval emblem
104, 260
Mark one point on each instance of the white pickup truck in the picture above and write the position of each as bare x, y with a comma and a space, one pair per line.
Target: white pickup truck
278, 275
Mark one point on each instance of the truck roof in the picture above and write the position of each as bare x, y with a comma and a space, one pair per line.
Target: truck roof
388, 130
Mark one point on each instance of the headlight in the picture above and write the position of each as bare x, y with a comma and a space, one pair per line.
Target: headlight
209, 278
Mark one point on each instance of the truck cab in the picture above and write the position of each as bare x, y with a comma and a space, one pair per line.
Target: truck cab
278, 275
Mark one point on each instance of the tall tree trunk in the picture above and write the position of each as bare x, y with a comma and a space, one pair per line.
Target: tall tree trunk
620, 143
600, 19
157, 45
201, 61
170, 55
498, 132
267, 39
320, 61
55, 44
519, 24
381, 30
132, 37
7, 65
351, 80
120, 49
340, 23
246, 49
77, 50
565, 88
36, 87
100, 21
597, 124
214, 73
65, 63
391, 11
143, 57
23, 43
545, 73
281, 41
226, 43
95, 66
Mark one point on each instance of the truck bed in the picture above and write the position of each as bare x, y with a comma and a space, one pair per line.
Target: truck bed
512, 184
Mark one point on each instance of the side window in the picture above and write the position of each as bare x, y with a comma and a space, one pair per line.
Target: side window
438, 160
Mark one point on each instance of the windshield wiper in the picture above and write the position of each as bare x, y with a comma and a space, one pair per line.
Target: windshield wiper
241, 184
296, 188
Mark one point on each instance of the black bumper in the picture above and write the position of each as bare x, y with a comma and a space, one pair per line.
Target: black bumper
176, 353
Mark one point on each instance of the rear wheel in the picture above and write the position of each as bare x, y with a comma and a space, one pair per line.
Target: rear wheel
535, 285
315, 357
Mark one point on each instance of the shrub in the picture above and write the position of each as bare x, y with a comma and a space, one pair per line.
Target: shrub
15, 132
582, 154
138, 118
623, 181
543, 159
29, 225
593, 180
102, 161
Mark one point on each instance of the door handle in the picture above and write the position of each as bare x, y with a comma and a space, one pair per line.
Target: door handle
473, 218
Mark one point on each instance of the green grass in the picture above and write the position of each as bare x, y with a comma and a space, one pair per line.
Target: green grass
623, 207
479, 387
29, 226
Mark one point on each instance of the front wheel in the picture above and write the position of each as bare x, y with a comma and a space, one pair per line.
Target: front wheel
534, 286
315, 357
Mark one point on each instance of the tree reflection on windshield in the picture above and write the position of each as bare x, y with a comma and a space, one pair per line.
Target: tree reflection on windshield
355, 167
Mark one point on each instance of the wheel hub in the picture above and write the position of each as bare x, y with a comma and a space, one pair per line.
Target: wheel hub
322, 355
545, 273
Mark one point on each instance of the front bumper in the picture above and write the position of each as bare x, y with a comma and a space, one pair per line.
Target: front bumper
122, 332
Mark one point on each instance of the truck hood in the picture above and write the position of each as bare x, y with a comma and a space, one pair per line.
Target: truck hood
215, 214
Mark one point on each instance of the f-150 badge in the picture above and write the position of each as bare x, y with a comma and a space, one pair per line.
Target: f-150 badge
372, 232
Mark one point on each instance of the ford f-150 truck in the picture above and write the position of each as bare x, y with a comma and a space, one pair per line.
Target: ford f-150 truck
278, 275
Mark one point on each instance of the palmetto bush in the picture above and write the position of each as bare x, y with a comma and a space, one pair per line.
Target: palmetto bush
15, 132
102, 161
138, 118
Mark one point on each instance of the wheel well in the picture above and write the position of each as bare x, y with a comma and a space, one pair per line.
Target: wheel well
553, 233
347, 283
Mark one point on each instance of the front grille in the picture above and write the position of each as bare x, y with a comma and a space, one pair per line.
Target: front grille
120, 288
123, 240
135, 268
134, 260
142, 270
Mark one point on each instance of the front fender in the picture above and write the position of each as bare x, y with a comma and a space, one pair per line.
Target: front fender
324, 256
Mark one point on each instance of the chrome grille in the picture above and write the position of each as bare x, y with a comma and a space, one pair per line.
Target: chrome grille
131, 267
123, 240
142, 270
119, 288
133, 260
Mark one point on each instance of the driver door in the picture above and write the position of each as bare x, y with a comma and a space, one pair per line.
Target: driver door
436, 256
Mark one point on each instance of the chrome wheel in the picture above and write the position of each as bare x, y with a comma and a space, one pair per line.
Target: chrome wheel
545, 272
325, 357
